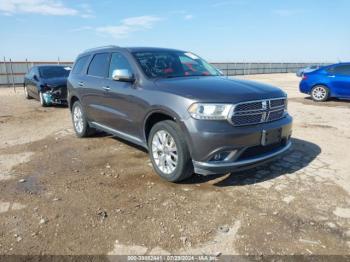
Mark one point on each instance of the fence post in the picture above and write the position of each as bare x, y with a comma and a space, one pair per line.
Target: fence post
27, 65
13, 78
6, 72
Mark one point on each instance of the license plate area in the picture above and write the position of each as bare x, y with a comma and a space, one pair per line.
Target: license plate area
271, 136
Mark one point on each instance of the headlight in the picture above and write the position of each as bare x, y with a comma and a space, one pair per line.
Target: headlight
47, 87
209, 111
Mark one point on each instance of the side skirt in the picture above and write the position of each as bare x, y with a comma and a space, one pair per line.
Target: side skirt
120, 134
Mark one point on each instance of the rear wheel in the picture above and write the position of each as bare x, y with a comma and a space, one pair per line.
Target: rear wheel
169, 152
320, 93
80, 123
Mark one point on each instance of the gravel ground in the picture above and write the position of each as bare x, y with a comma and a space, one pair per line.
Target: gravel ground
64, 195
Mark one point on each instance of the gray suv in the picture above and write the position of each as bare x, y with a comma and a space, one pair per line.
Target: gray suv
188, 116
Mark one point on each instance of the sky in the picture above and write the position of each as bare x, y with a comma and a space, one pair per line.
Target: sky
217, 30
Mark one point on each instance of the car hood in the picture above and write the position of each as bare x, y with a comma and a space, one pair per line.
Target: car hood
56, 81
218, 89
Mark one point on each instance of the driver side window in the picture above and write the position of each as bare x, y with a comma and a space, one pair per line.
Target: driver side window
118, 61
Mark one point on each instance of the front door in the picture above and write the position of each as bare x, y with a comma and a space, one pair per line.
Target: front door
120, 98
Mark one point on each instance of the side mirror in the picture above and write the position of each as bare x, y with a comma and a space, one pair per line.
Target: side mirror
123, 75
36, 78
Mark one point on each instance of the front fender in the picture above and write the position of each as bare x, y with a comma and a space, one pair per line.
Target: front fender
171, 113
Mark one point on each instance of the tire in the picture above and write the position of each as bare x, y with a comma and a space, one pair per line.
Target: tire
320, 93
173, 161
80, 123
26, 94
42, 100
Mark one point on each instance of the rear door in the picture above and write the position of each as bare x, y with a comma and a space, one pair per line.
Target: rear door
77, 77
340, 78
94, 88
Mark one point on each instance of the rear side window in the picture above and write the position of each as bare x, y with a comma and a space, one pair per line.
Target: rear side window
118, 61
342, 70
80, 65
99, 65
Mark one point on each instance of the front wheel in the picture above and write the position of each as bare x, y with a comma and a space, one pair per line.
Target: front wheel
42, 99
26, 94
320, 93
169, 152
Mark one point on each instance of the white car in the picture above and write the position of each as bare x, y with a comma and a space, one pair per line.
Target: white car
307, 70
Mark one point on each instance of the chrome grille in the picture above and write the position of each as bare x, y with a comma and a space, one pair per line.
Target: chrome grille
249, 106
275, 115
256, 112
277, 102
246, 119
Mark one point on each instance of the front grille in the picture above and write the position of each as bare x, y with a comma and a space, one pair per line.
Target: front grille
275, 115
277, 102
249, 106
246, 119
60, 92
256, 112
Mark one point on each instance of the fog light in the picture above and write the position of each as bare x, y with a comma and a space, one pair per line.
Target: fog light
220, 156
47, 98
224, 156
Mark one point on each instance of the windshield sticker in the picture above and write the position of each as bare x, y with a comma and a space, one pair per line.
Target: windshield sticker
190, 55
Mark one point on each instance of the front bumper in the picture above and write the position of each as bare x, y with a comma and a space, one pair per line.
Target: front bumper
207, 168
56, 96
209, 138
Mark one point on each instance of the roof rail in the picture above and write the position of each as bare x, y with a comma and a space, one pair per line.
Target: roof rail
100, 47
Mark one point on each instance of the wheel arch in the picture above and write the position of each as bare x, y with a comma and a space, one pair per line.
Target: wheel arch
322, 84
161, 114
154, 117
72, 100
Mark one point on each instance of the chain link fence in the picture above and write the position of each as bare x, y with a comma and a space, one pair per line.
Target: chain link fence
232, 69
12, 73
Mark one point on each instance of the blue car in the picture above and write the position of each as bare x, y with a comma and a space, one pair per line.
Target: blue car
326, 82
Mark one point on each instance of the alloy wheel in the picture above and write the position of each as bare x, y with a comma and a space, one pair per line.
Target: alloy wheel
319, 93
26, 92
78, 119
164, 151
42, 102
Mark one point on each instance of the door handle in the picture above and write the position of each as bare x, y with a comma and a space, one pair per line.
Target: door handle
332, 76
81, 84
106, 88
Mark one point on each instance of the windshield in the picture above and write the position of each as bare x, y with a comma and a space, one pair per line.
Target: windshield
53, 71
163, 64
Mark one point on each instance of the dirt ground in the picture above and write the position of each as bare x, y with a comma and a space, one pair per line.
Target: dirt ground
64, 195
